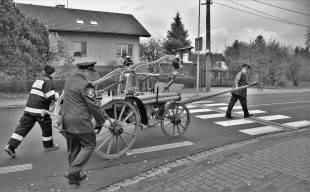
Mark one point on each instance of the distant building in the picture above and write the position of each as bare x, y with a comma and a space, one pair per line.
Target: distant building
104, 37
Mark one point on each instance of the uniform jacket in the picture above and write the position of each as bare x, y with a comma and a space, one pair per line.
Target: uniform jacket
41, 95
79, 106
127, 62
240, 80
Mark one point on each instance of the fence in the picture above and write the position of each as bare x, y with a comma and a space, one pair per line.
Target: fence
20, 79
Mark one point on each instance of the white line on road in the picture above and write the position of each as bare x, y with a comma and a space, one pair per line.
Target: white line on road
298, 124
251, 111
199, 102
278, 103
273, 117
234, 122
191, 106
260, 130
214, 104
225, 108
15, 168
159, 148
199, 110
210, 116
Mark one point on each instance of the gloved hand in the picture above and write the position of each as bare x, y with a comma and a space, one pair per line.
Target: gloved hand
107, 123
98, 129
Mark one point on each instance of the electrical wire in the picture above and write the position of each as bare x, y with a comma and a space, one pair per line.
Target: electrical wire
288, 21
292, 23
282, 8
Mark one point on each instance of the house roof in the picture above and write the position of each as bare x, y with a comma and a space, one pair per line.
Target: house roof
64, 19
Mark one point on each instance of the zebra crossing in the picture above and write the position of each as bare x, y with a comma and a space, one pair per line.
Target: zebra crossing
209, 110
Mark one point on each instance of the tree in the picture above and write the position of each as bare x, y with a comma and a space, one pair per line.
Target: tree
176, 36
152, 49
23, 41
60, 57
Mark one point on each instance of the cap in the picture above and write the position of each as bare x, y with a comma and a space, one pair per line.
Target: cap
246, 65
48, 70
86, 65
127, 56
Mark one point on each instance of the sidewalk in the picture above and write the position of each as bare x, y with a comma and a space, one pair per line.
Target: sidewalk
272, 163
186, 93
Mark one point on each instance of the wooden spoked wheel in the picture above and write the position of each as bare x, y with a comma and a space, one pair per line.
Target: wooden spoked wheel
176, 120
115, 141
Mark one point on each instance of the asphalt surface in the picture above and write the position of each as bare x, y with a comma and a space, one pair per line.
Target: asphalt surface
205, 134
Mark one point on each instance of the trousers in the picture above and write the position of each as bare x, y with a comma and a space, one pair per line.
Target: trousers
80, 148
26, 123
243, 101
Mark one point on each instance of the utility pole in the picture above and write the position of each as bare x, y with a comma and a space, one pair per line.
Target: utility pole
67, 4
208, 45
197, 71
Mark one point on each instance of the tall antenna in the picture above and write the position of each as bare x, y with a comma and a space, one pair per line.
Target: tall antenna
67, 4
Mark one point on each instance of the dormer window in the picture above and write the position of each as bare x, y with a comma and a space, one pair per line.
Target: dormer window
93, 22
79, 21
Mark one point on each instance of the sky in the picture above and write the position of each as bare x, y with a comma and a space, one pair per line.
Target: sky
227, 24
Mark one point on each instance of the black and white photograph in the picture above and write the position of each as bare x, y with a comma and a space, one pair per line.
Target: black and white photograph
154, 95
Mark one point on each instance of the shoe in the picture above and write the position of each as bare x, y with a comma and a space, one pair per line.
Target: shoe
228, 117
54, 147
247, 116
10, 150
75, 178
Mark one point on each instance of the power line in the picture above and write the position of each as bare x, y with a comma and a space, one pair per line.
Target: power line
287, 21
292, 23
282, 8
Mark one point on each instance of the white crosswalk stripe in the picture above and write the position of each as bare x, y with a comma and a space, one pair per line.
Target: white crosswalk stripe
201, 102
200, 110
234, 122
191, 106
260, 130
225, 108
214, 104
273, 117
251, 111
210, 116
298, 124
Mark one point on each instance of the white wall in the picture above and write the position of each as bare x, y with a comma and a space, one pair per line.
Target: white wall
101, 47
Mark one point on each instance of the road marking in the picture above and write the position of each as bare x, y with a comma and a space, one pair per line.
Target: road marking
279, 103
273, 117
260, 130
210, 116
298, 124
225, 108
200, 110
234, 122
199, 102
251, 111
191, 106
15, 168
214, 104
159, 148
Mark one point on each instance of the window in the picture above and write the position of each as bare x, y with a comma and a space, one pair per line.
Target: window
79, 21
80, 49
93, 22
124, 49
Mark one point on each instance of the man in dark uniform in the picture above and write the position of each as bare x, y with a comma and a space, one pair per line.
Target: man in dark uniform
40, 97
79, 107
240, 80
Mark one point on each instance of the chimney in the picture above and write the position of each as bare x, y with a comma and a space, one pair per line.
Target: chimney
60, 6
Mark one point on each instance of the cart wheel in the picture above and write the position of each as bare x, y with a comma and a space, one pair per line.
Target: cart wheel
176, 120
118, 139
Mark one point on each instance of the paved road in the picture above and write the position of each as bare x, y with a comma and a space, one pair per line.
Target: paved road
208, 129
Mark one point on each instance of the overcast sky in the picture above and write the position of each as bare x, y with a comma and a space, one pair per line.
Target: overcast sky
227, 24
